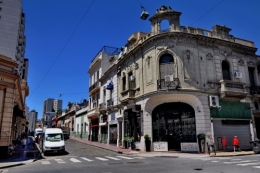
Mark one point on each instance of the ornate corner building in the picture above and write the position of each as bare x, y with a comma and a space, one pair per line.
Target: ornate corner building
176, 83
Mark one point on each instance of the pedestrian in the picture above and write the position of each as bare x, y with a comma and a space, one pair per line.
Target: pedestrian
24, 141
236, 143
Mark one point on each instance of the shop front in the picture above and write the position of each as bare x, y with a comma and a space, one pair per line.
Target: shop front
173, 125
94, 129
132, 125
103, 128
113, 132
234, 119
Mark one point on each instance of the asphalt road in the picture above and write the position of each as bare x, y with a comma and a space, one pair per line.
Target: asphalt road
91, 159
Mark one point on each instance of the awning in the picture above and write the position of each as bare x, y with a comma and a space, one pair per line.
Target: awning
103, 124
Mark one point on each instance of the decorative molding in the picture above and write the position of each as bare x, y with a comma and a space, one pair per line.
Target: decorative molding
225, 53
136, 66
209, 56
241, 62
250, 63
165, 47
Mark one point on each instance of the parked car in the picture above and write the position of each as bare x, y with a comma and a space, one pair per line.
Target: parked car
38, 137
256, 146
66, 135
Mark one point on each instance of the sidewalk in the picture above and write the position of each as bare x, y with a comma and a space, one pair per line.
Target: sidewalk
160, 154
20, 157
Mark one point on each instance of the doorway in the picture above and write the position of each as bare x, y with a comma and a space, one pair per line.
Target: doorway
175, 123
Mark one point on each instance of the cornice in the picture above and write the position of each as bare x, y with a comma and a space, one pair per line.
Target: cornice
198, 38
108, 72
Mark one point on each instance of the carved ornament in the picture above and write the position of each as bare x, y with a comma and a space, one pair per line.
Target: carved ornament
241, 62
209, 56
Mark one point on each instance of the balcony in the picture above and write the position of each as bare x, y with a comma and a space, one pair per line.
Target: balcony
102, 107
94, 87
93, 113
127, 95
232, 89
255, 90
173, 84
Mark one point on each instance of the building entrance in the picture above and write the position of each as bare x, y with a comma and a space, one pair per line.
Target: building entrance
174, 123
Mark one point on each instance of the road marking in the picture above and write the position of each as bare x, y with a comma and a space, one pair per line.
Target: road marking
112, 158
138, 157
84, 158
214, 161
245, 164
45, 162
100, 158
4, 170
256, 167
124, 157
235, 159
59, 160
75, 160
241, 161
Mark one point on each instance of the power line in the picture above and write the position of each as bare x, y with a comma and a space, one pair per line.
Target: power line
207, 12
62, 48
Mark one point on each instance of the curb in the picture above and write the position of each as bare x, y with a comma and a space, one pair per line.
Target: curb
9, 166
233, 155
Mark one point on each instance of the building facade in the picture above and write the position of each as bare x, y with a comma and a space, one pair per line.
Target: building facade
32, 119
177, 83
52, 105
13, 92
99, 65
12, 38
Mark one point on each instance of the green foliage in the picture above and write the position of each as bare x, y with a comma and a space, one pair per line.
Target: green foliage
125, 138
146, 137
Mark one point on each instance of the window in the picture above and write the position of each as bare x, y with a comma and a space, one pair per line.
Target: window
167, 68
131, 80
77, 128
113, 117
251, 76
124, 83
54, 137
225, 70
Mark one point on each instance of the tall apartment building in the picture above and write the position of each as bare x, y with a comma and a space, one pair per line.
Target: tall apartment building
32, 119
57, 105
12, 38
51, 105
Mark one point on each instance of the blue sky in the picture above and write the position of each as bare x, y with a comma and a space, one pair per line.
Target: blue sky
59, 58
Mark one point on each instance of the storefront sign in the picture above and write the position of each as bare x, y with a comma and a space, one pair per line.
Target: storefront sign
112, 122
189, 147
160, 146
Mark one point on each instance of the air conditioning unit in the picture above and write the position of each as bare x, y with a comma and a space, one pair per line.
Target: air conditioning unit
168, 78
238, 75
214, 101
132, 78
136, 108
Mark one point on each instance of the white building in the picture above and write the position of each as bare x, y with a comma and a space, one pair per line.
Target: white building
99, 65
32, 119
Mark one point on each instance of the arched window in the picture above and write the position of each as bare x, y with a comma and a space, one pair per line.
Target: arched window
166, 66
225, 70
256, 106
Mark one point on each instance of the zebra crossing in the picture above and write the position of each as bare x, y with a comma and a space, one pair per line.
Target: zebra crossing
230, 161
84, 159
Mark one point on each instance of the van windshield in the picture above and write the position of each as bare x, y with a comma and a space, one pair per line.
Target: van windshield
54, 137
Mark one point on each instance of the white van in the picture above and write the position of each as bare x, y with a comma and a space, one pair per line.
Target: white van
53, 141
37, 131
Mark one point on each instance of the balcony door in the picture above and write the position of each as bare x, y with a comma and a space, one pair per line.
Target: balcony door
251, 76
166, 67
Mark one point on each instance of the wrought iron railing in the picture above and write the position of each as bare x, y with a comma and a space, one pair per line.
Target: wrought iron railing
254, 90
170, 85
93, 86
